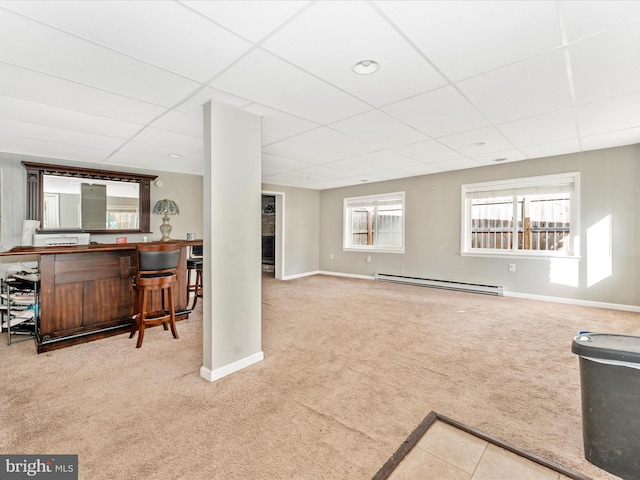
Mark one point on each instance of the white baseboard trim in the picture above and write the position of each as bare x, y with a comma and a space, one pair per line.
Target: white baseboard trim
574, 301
218, 373
542, 298
326, 272
348, 275
300, 275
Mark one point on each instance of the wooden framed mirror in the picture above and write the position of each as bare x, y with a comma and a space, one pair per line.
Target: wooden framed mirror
97, 201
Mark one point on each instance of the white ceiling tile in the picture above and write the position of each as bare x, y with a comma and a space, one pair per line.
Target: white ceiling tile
379, 129
42, 114
288, 178
357, 180
197, 49
284, 87
438, 113
607, 65
584, 18
194, 104
530, 87
295, 151
29, 85
390, 175
172, 141
179, 122
429, 151
416, 170
478, 142
321, 171
332, 145
615, 114
269, 139
548, 128
280, 124
455, 164
87, 63
45, 148
250, 19
273, 164
159, 153
551, 149
611, 139
373, 162
505, 156
150, 159
464, 38
34, 131
403, 72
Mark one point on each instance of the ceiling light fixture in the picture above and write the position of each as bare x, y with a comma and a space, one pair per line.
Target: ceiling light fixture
365, 67
500, 159
478, 144
175, 155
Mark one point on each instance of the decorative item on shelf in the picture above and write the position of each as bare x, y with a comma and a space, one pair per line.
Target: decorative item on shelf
165, 207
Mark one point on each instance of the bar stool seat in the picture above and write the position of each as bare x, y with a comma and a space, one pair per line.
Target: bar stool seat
195, 263
157, 270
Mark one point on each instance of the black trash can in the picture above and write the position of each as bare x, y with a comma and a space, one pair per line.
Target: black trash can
610, 384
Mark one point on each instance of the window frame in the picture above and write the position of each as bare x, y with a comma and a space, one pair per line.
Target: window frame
515, 187
347, 237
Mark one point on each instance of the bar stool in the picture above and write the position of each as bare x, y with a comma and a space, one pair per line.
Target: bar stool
157, 270
195, 263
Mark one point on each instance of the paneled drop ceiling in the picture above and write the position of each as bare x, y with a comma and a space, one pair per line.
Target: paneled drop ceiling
459, 84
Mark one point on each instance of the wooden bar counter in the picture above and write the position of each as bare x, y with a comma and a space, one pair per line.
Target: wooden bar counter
86, 291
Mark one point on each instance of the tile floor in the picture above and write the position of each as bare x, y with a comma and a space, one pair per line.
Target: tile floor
446, 452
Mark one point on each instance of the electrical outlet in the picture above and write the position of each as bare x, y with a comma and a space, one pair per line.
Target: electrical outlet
368, 258
512, 267
331, 256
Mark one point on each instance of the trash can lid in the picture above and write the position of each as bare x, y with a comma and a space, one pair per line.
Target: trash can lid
625, 348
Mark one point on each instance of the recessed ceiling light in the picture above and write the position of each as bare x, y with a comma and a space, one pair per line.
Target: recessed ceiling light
175, 155
365, 67
364, 180
305, 178
500, 159
478, 144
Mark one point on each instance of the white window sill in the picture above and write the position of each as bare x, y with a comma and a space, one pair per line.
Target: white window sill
528, 255
372, 249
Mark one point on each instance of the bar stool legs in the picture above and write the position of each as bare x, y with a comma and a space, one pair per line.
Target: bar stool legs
197, 287
150, 318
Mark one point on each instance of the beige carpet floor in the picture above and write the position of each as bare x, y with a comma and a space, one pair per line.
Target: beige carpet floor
351, 367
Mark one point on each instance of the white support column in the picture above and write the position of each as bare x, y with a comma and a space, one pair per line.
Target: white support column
232, 280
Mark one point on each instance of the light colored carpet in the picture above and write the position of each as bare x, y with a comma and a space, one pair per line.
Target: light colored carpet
351, 367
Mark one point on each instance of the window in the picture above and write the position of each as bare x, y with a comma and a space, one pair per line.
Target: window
374, 223
122, 217
528, 216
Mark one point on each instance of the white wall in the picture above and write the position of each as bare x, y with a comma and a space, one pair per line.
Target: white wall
302, 228
610, 181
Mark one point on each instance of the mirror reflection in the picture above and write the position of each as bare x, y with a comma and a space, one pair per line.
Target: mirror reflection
90, 204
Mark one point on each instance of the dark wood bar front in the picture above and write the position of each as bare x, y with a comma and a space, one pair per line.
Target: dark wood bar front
86, 291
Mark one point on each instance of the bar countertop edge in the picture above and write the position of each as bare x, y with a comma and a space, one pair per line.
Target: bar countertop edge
94, 247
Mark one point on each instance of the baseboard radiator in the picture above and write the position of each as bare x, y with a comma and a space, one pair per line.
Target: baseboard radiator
459, 286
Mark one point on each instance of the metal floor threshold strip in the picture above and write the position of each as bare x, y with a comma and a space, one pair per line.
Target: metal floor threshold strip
448, 285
